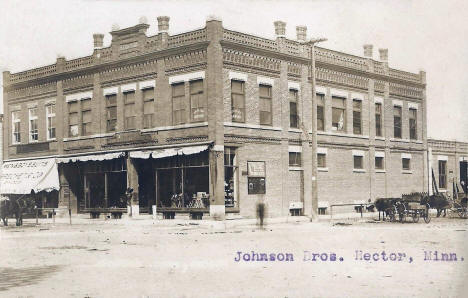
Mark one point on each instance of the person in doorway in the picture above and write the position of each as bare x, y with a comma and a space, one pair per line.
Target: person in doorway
129, 195
261, 212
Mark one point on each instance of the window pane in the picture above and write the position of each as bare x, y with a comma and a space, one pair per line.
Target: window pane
406, 163
264, 91
50, 109
129, 110
112, 113
320, 118
148, 94
379, 163
73, 130
356, 122
73, 118
237, 87
293, 114
73, 106
86, 115
178, 90
295, 159
237, 101
111, 100
129, 97
321, 160
196, 87
86, 104
265, 118
339, 102
320, 99
148, 121
358, 162
338, 119
148, 107
293, 95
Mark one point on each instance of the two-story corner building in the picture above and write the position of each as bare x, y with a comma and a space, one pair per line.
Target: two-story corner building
213, 120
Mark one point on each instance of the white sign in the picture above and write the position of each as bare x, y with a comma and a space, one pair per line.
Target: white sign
256, 168
20, 177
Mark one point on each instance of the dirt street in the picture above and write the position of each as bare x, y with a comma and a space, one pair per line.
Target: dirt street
125, 258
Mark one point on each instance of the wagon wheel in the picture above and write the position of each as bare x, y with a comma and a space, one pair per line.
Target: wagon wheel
401, 216
416, 216
427, 217
462, 212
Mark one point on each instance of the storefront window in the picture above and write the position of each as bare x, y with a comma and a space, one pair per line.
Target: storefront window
230, 177
182, 182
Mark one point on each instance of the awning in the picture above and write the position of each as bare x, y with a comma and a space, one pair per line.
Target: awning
168, 152
20, 177
92, 157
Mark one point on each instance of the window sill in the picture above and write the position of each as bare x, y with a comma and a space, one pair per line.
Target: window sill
109, 134
380, 138
341, 134
359, 170
399, 140
322, 169
256, 126
52, 140
295, 168
380, 171
407, 172
294, 130
179, 126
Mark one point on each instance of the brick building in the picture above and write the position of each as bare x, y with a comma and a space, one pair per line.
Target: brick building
221, 117
449, 162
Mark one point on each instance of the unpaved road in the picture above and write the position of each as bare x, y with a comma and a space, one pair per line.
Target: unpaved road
122, 259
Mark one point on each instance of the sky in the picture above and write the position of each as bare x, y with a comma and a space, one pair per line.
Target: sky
420, 35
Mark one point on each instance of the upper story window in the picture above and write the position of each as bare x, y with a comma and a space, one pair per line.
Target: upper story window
111, 112
16, 127
357, 112
238, 101
197, 101
86, 117
33, 131
338, 114
178, 103
295, 159
442, 174
148, 107
413, 123
358, 162
320, 111
406, 163
321, 160
73, 126
265, 105
50, 118
378, 119
293, 115
397, 122
129, 110
379, 163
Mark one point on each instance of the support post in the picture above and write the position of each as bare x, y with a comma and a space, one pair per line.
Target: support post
132, 181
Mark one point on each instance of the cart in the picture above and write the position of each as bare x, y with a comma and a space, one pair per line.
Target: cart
413, 210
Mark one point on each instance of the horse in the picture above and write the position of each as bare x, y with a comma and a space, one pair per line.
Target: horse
386, 205
4, 210
16, 207
437, 201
